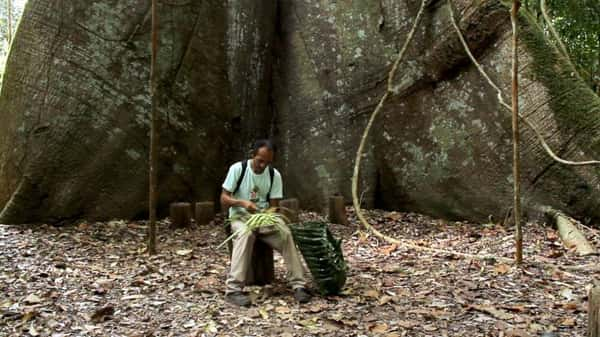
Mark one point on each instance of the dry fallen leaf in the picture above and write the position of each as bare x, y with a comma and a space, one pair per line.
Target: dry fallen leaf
502, 268
373, 293
407, 324
104, 283
211, 327
551, 235
432, 313
132, 297
385, 299
102, 314
394, 216
387, 250
189, 324
381, 290
571, 306
568, 322
253, 313
567, 293
32, 299
535, 328
28, 316
317, 307
514, 308
309, 322
429, 328
379, 328
282, 310
263, 313
362, 237
184, 252
512, 332
33, 332
492, 311
554, 254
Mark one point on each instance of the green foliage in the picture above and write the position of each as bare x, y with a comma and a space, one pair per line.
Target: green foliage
16, 11
253, 222
574, 105
323, 255
578, 24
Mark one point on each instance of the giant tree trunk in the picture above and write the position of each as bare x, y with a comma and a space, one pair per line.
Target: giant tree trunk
442, 145
73, 107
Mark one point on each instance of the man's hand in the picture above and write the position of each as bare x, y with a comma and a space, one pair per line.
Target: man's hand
227, 200
249, 205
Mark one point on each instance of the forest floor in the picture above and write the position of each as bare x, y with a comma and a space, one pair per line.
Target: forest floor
94, 279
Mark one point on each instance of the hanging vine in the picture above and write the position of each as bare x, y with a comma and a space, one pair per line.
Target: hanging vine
389, 90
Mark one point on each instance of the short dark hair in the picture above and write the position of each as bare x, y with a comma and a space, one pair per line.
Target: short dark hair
262, 143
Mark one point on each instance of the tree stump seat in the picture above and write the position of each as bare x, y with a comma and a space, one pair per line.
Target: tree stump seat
262, 267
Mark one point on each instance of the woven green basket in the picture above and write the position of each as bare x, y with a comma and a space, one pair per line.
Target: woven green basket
323, 255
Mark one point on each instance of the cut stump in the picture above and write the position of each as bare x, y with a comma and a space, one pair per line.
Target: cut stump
262, 265
337, 210
262, 270
204, 212
290, 208
180, 214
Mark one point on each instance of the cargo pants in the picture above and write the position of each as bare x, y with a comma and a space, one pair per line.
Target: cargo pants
280, 240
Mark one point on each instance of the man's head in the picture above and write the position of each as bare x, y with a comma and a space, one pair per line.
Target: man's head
262, 155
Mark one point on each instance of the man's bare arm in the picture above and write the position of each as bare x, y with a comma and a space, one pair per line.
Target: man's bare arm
227, 200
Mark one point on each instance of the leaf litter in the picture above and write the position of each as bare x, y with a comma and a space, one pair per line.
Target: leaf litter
94, 279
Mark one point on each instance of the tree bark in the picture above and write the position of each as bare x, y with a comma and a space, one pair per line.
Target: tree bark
515, 128
594, 312
153, 134
180, 214
434, 148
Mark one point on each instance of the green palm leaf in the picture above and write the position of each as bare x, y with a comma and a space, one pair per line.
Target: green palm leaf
255, 221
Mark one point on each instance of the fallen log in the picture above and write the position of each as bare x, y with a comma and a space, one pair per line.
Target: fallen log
568, 232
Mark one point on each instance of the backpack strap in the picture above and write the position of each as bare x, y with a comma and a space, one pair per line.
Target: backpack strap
241, 177
272, 173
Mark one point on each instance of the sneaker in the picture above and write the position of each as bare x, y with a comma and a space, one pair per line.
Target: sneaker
238, 298
302, 295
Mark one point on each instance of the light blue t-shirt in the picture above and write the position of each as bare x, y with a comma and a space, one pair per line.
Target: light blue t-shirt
254, 187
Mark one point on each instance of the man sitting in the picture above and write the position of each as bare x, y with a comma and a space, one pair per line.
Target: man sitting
247, 188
